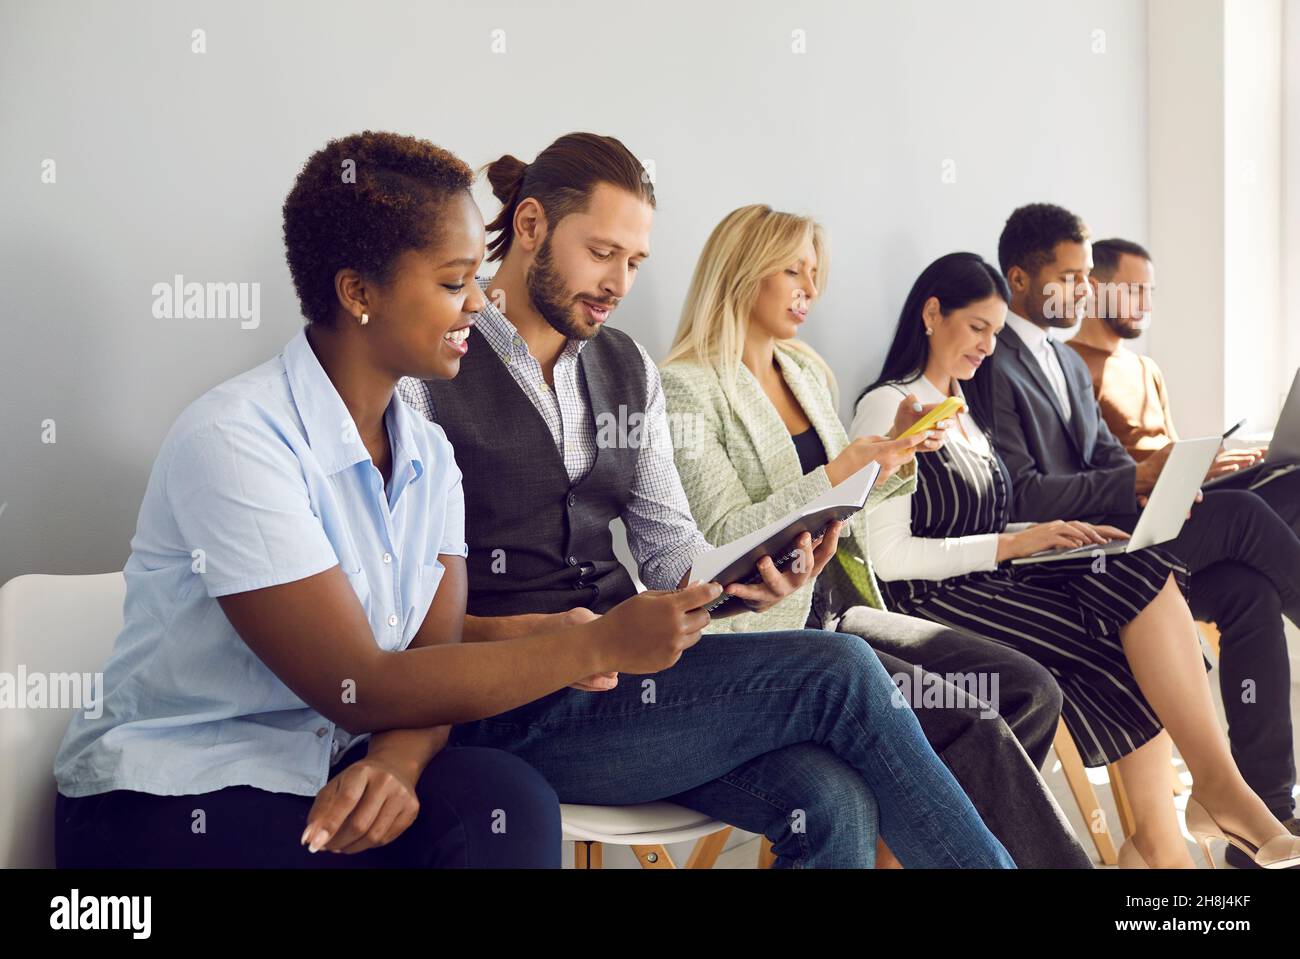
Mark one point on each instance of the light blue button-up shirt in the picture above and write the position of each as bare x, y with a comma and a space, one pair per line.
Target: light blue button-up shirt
261, 481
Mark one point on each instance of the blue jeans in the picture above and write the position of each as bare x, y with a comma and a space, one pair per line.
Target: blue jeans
798, 734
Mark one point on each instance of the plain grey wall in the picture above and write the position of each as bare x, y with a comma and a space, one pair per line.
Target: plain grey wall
170, 161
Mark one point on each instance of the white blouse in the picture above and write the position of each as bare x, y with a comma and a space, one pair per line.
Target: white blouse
895, 552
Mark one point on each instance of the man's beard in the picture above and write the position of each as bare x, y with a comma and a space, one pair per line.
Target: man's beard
1058, 322
1043, 311
1124, 329
550, 298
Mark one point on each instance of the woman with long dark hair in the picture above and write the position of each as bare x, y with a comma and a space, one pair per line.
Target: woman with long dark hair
1115, 631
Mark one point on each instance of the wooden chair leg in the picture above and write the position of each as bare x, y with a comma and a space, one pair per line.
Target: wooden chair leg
707, 849
587, 855
1122, 805
1211, 633
1094, 817
885, 858
653, 857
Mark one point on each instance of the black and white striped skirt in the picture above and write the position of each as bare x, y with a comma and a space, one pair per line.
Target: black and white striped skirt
1066, 615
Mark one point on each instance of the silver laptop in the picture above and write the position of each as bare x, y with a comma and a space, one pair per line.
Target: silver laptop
1285, 447
1166, 509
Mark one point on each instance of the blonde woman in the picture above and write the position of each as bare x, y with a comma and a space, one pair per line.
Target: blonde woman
757, 434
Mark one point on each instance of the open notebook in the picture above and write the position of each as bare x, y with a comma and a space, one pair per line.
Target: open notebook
737, 561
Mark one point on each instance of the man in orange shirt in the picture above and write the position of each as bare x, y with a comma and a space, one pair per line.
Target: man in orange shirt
1131, 389
1134, 403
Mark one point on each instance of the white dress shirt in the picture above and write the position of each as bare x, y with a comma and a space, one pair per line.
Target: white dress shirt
1040, 344
895, 553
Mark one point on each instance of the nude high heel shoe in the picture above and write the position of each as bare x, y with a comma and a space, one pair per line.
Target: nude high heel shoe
1280, 852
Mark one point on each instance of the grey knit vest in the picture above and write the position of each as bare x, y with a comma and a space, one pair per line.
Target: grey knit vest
537, 542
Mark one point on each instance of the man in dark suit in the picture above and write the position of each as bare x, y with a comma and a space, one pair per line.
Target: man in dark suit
1064, 461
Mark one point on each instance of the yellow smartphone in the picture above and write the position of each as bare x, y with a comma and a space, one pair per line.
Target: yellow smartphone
947, 408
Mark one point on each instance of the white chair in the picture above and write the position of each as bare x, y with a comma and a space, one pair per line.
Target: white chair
49, 625
67, 624
647, 829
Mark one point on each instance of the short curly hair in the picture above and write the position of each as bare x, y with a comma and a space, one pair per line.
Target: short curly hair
1031, 234
361, 201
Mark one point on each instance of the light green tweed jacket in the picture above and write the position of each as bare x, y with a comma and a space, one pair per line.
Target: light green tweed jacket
741, 471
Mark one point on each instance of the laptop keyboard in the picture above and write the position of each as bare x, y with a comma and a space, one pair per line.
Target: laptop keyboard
1085, 549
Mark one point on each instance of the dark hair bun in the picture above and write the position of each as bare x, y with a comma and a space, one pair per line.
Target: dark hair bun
506, 176
561, 179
